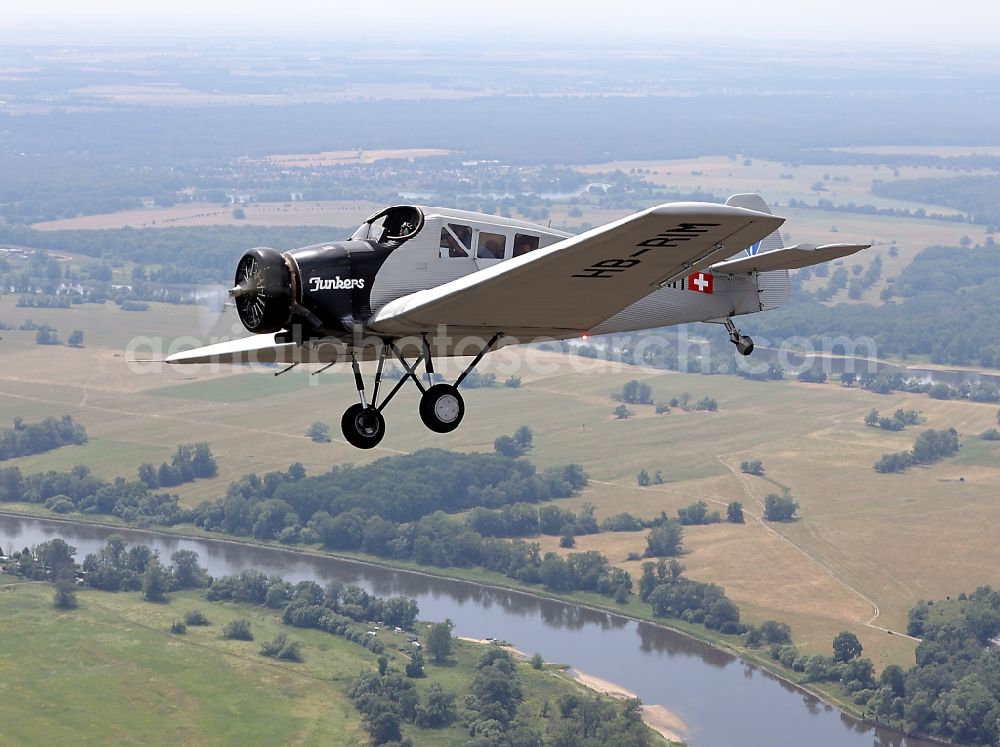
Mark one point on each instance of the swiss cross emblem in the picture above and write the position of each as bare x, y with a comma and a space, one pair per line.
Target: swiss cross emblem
701, 282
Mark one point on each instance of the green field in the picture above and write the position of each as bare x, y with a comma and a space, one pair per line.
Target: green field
111, 672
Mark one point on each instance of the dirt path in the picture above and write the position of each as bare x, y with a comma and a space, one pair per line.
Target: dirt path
759, 519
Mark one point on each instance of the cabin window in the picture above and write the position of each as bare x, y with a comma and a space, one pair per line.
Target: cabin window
491, 245
456, 240
524, 244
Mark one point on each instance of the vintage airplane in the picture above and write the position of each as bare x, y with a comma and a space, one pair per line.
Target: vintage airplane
410, 272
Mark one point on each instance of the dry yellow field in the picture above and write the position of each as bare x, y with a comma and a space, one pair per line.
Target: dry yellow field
863, 541
338, 214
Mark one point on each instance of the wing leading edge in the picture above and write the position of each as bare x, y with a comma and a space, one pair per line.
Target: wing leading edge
576, 284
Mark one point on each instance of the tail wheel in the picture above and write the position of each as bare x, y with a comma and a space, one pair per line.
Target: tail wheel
363, 427
744, 345
442, 408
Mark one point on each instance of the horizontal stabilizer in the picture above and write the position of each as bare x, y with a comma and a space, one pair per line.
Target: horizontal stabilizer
789, 258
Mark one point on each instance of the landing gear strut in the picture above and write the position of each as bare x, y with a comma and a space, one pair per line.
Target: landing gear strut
744, 345
362, 424
441, 405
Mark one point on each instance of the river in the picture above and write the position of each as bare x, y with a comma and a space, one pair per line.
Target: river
724, 701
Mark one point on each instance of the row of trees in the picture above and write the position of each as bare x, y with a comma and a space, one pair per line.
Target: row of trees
930, 446
189, 462
24, 439
115, 567
899, 420
397, 488
672, 595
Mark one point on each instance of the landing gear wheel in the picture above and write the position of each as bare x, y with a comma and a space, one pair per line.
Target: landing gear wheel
363, 427
744, 346
442, 408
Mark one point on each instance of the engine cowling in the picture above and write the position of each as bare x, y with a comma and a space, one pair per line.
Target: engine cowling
264, 291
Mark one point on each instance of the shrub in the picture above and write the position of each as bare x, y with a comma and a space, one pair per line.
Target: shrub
238, 630
178, 626
196, 617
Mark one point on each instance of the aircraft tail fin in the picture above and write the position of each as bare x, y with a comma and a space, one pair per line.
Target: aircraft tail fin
754, 201
773, 287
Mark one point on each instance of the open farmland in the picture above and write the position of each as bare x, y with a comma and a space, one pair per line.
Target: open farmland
863, 541
296, 213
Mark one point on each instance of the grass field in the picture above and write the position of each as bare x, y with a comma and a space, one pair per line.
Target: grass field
110, 671
865, 543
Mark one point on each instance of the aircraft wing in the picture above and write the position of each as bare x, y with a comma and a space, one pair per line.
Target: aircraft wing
261, 349
789, 258
574, 285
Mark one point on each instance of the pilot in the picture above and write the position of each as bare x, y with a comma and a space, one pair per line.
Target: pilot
451, 248
464, 234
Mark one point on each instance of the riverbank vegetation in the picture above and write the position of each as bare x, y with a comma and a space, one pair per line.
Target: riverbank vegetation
171, 653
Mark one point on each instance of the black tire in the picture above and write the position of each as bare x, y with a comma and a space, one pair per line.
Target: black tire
745, 345
442, 408
362, 427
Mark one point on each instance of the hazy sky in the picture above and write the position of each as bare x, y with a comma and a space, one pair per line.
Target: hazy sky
897, 23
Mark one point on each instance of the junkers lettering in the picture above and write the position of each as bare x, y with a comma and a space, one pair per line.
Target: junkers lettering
337, 283
672, 237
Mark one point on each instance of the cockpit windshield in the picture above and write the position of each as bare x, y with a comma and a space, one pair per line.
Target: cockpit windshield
392, 226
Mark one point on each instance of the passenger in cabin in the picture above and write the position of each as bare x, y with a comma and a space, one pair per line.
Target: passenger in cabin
491, 245
524, 244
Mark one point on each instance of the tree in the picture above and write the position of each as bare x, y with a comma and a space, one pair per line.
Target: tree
643, 478
147, 475
524, 437
894, 678
567, 541
76, 338
319, 432
439, 641
665, 540
65, 593
438, 708
155, 582
187, 572
846, 646
415, 666
237, 630
779, 508
554, 573
622, 412
734, 513
57, 555
517, 445
196, 617
537, 662
636, 393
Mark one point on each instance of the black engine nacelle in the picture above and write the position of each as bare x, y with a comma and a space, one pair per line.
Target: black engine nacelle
264, 293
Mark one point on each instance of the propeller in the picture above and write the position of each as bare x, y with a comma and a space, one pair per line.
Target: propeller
212, 302
263, 290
